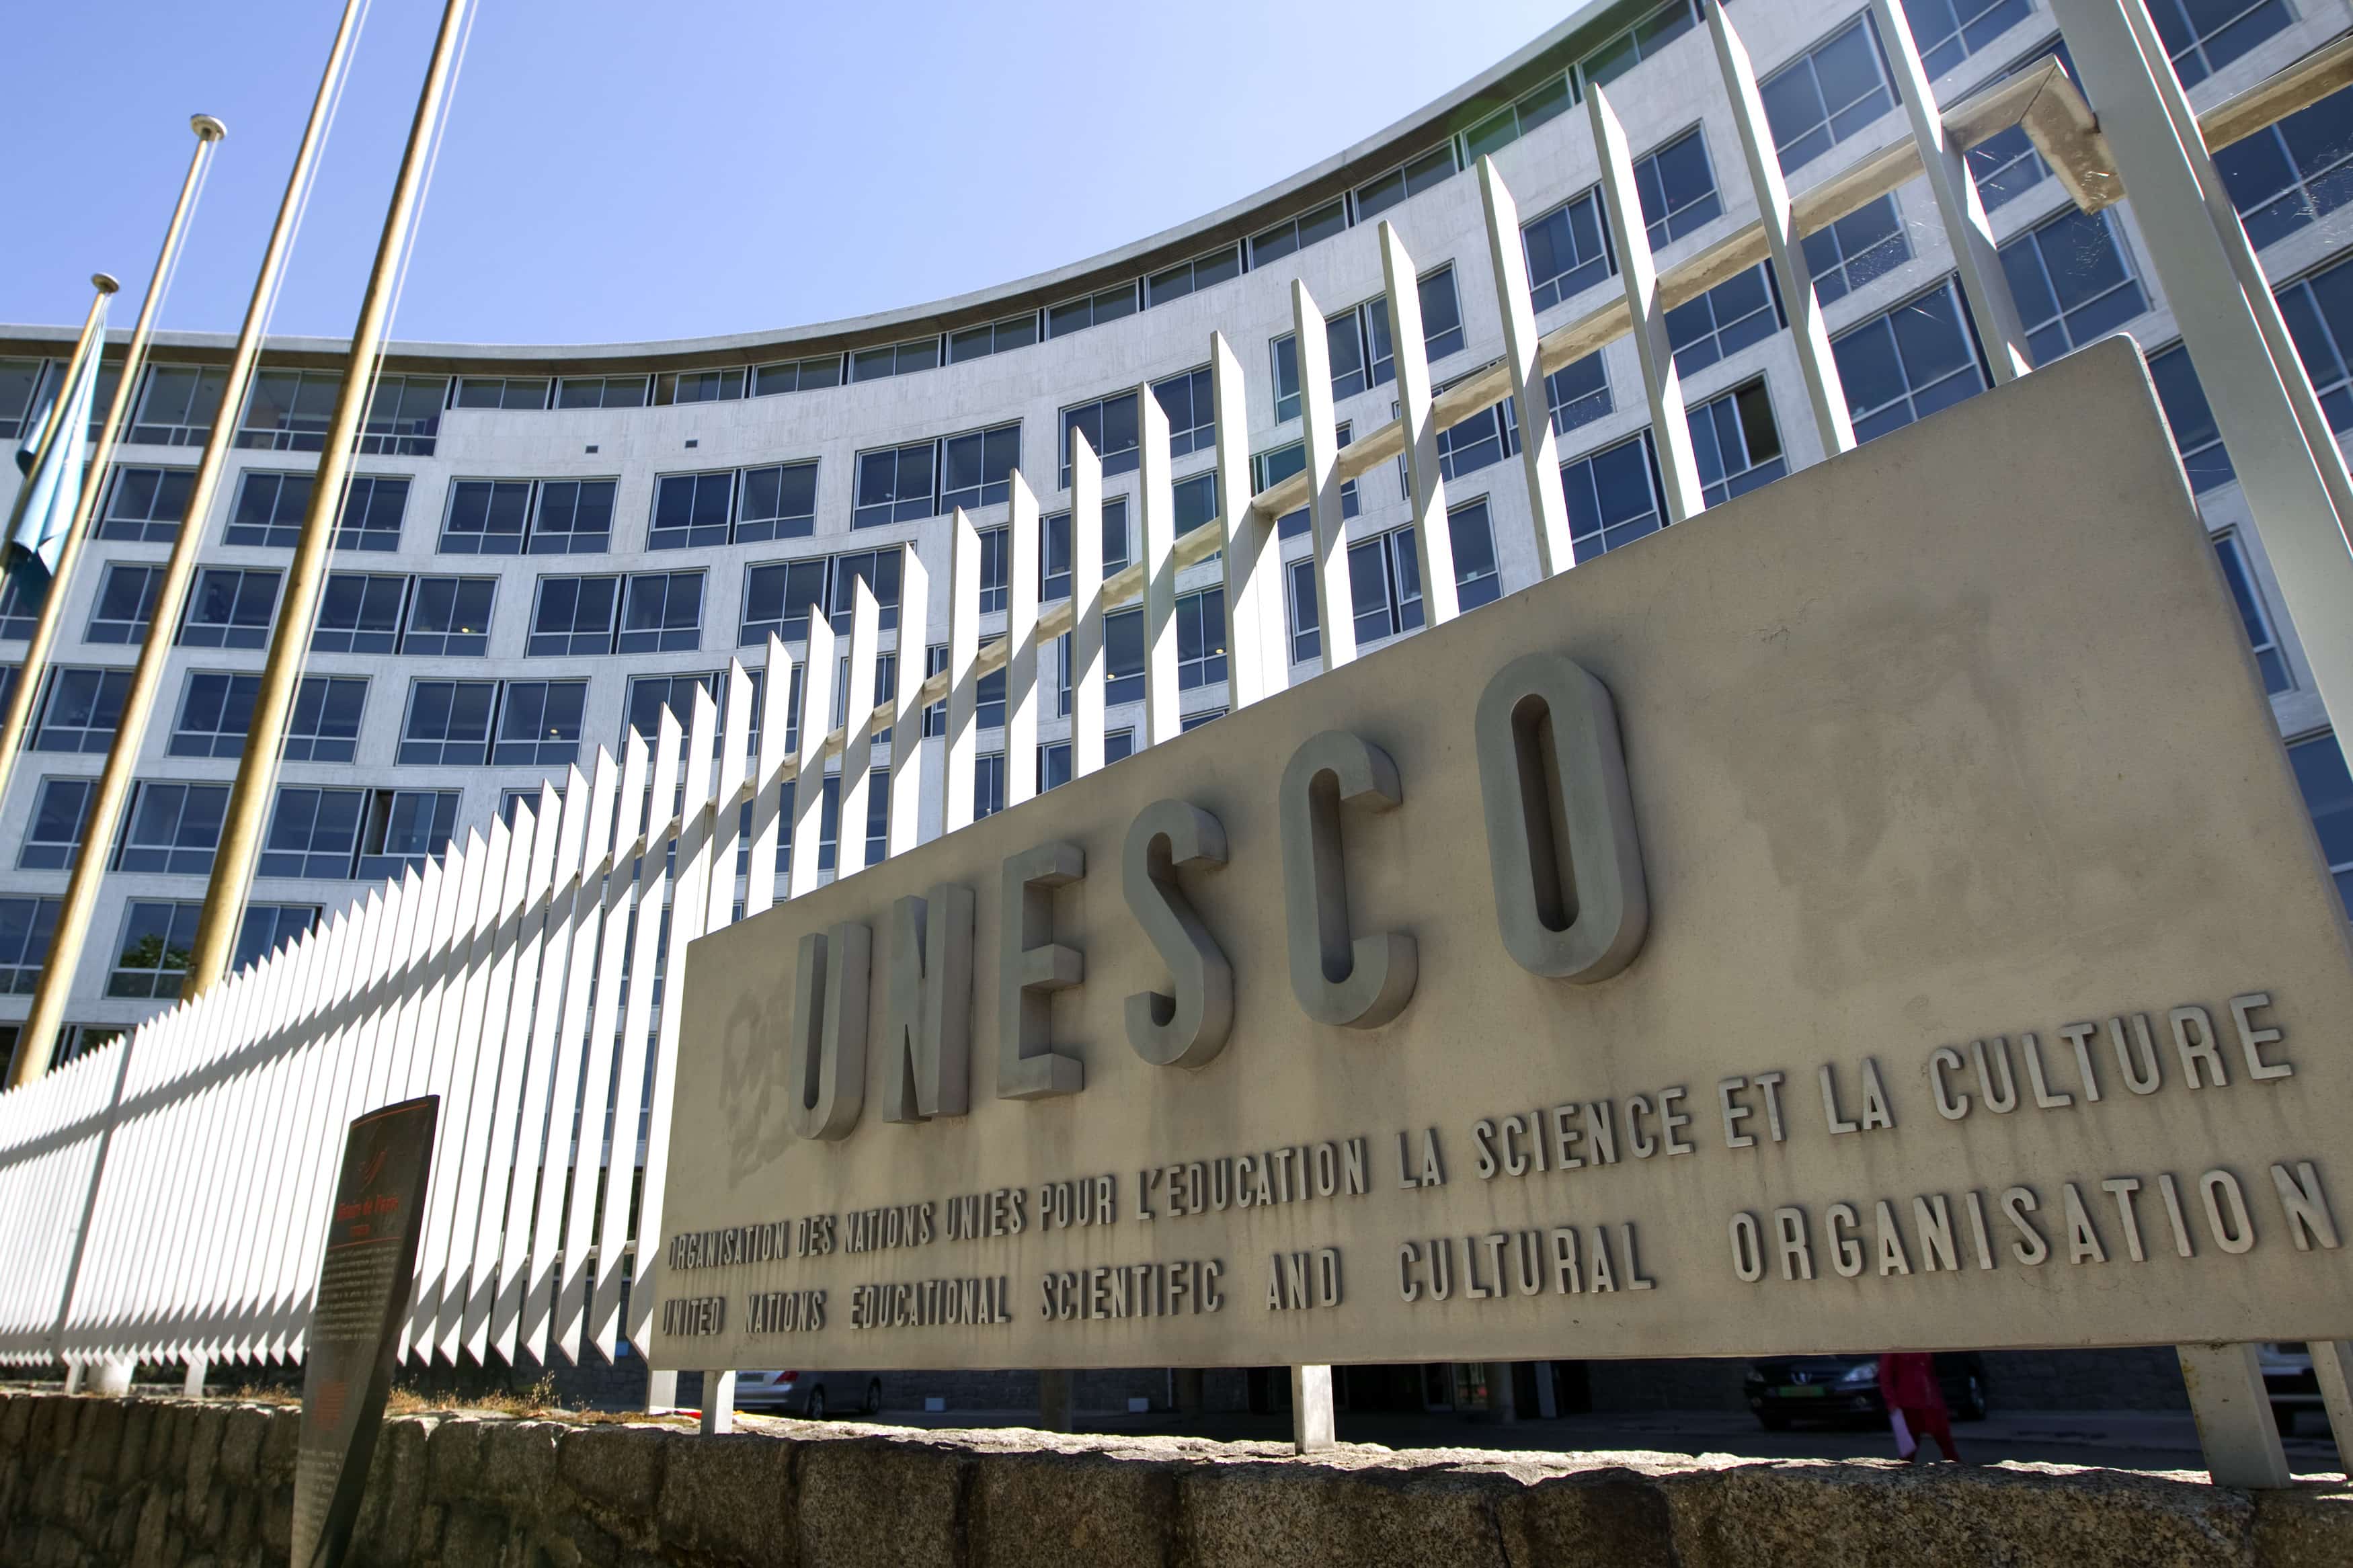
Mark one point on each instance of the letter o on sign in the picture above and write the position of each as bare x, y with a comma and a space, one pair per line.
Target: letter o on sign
1569, 893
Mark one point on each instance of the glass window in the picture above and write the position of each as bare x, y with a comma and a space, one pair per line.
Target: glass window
229, 609
988, 784
2318, 310
1197, 502
450, 616
1343, 335
1124, 658
270, 510
1192, 722
20, 604
573, 517
1907, 363
53, 838
1175, 282
1306, 627
1639, 42
1200, 638
448, 722
650, 694
896, 484
2286, 175
1577, 392
1093, 310
325, 726
1568, 250
662, 613
796, 375
1053, 765
288, 410
976, 468
313, 832
145, 505
126, 600
778, 501
2269, 658
936, 717
1724, 321
2190, 419
879, 570
1827, 93
539, 723
2328, 795
216, 710
1949, 31
2072, 282
403, 415
992, 569
776, 600
1297, 234
1284, 353
1385, 585
2205, 35
1737, 443
1109, 426
1192, 411
1541, 102
20, 379
1677, 186
153, 957
1867, 243
359, 612
372, 506
601, 392
993, 337
1054, 558
573, 615
174, 828
1486, 438
1441, 314
2006, 163
486, 517
894, 359
404, 828
1117, 547
1477, 580
268, 927
510, 391
698, 385
81, 712
1613, 497
692, 511
1409, 178
26, 928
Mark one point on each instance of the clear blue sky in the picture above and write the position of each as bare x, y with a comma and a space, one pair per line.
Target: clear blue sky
619, 171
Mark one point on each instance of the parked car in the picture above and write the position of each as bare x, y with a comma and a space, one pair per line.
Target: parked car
809, 1393
1846, 1388
2288, 1379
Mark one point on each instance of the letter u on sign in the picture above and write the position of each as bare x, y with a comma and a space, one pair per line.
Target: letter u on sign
1568, 868
827, 1060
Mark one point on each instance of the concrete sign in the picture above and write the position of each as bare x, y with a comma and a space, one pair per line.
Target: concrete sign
1879, 912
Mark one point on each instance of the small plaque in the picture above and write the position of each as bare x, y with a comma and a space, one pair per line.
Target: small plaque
363, 1289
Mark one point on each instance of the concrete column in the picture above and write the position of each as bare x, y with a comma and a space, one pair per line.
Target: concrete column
73, 1377
1312, 1426
1547, 1401
1055, 1405
2234, 1416
2332, 1364
718, 1402
112, 1376
1503, 1400
193, 1387
661, 1392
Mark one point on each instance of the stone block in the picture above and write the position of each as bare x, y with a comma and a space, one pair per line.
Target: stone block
2304, 1528
241, 1448
17, 1420
881, 1502
98, 1438
453, 1459
1611, 1517
473, 1537
617, 1468
732, 1499
281, 1442
519, 1470
206, 1430
139, 1421
1071, 1510
1338, 1508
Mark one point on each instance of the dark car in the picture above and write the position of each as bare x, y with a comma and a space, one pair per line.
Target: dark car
1846, 1388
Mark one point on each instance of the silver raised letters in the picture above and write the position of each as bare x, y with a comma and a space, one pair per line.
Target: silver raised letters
1569, 891
1189, 1028
1359, 984
1031, 967
826, 1057
927, 1024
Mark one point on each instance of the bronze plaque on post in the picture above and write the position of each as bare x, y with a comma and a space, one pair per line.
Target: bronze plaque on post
363, 1289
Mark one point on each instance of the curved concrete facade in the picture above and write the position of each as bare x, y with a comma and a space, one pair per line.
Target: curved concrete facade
1670, 89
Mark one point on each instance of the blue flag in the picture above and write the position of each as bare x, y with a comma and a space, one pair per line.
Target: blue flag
53, 488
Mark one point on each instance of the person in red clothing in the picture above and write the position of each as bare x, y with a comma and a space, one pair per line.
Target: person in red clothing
1907, 1382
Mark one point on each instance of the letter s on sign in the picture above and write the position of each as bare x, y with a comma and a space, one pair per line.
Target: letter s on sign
1569, 891
1188, 1029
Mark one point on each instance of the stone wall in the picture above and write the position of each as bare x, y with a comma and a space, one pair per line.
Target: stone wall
158, 1483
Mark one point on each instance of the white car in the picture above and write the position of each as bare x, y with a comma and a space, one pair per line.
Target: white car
809, 1393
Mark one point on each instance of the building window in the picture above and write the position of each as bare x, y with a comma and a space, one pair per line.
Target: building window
20, 604
405, 827
270, 510
1187, 277
1477, 580
993, 337
1827, 93
2269, 658
1639, 42
230, 608
487, 517
153, 957
776, 601
601, 392
1200, 638
1118, 746
572, 517
878, 817
692, 511
778, 501
126, 601
2328, 795
509, 392
539, 723
1724, 321
1486, 438
325, 727
146, 506
450, 617
1737, 442
662, 613
699, 386
514, 802
2072, 282
268, 927
1093, 310
373, 505
796, 375
81, 712
359, 612
1613, 497
1568, 250
1284, 353
1192, 411
1110, 426
19, 380
1867, 243
879, 570
1409, 178
1441, 314
1196, 500
26, 928
573, 615
1297, 233
448, 724
1054, 558
1192, 722
1306, 626
894, 359
1124, 658
1119, 546
174, 828
896, 484
404, 416
992, 569
976, 468
2286, 175
828, 823
1908, 363
1577, 392
1949, 31
288, 410
1541, 102
2318, 310
1385, 585
2203, 37
1053, 765
988, 784
2006, 163
314, 834
650, 694
216, 710
53, 838
2190, 419
1677, 187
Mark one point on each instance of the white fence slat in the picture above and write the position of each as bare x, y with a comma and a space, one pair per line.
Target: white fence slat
1257, 646
963, 749
1022, 696
1086, 608
857, 728
735, 734
1319, 431
768, 826
1433, 540
808, 782
909, 757
1155, 494
1523, 355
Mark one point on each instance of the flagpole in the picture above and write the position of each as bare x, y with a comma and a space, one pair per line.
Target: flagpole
256, 774
93, 325
35, 1040
25, 699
